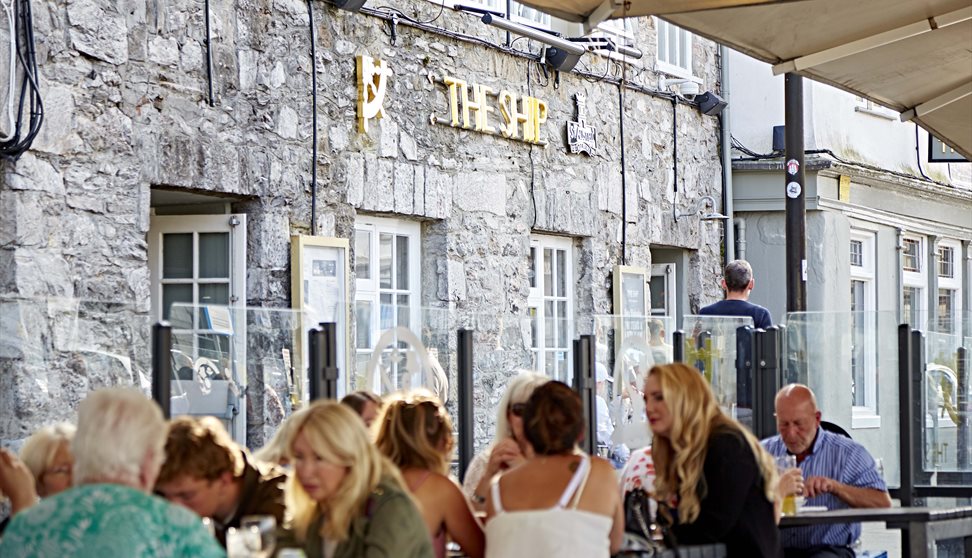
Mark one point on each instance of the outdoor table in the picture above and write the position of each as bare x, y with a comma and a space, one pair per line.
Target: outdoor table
925, 526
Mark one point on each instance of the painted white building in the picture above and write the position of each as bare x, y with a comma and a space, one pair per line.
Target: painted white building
888, 241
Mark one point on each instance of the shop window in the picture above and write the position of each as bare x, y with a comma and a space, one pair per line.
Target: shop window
387, 281
950, 311
863, 306
674, 49
551, 305
913, 305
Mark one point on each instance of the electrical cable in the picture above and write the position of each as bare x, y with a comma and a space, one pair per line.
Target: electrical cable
402, 15
8, 9
918, 155
209, 55
313, 41
29, 87
675, 159
754, 156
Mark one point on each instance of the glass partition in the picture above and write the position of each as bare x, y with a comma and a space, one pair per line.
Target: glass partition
54, 350
710, 346
239, 365
946, 411
850, 361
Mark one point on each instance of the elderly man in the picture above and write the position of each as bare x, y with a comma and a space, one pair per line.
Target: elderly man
110, 511
209, 473
836, 472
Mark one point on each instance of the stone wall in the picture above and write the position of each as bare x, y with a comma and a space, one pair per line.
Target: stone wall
125, 90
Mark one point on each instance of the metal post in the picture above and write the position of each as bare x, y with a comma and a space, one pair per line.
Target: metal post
330, 371
162, 366
678, 346
464, 388
796, 206
584, 384
917, 371
315, 363
766, 381
745, 387
906, 442
962, 429
703, 364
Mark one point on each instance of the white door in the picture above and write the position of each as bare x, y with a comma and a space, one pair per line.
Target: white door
198, 276
662, 287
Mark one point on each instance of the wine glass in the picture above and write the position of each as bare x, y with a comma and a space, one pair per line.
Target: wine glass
259, 534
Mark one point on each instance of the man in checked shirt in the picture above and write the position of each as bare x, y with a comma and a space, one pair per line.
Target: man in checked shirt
837, 472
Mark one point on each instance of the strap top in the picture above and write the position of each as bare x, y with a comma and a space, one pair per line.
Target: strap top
572, 492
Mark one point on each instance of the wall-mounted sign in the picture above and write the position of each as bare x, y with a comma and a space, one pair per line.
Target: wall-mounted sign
471, 104
581, 136
938, 152
372, 83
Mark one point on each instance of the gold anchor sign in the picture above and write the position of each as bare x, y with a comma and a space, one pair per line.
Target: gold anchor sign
372, 83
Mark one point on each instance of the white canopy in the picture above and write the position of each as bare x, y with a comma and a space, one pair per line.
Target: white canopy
913, 56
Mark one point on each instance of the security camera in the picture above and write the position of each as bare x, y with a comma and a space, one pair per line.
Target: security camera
687, 88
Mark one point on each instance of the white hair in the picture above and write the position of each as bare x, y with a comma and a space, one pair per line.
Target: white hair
518, 390
39, 450
118, 428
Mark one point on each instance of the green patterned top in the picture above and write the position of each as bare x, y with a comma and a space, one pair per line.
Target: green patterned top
97, 520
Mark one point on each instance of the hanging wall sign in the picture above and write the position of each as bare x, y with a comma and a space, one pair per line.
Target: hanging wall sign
372, 83
477, 107
580, 136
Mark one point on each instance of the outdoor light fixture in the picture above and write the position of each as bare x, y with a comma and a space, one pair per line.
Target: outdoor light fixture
703, 203
349, 5
711, 104
560, 54
687, 88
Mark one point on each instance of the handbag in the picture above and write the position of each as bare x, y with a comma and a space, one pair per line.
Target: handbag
638, 518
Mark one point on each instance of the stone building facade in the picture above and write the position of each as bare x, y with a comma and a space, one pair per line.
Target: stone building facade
131, 140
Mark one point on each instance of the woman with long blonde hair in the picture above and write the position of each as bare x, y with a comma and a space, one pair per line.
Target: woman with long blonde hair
345, 498
415, 432
717, 480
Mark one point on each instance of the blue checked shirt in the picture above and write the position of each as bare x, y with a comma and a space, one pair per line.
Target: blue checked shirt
838, 458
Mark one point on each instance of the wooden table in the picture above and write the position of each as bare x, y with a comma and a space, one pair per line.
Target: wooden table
924, 526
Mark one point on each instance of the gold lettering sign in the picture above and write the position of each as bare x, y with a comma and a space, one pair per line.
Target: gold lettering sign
472, 105
372, 83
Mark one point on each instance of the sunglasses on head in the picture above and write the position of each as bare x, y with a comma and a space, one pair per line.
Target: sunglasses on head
518, 409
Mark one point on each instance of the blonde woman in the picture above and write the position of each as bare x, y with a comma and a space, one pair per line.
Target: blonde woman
415, 432
346, 499
47, 453
714, 475
510, 446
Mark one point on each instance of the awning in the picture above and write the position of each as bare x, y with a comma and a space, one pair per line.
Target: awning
913, 56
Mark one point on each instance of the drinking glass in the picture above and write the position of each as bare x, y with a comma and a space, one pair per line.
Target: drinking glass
783, 464
259, 534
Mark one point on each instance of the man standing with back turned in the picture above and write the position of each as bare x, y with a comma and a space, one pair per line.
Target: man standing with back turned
738, 282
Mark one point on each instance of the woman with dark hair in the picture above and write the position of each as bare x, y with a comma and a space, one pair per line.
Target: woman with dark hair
714, 475
365, 403
561, 502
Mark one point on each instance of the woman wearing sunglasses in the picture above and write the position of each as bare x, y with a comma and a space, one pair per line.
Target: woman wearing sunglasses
510, 446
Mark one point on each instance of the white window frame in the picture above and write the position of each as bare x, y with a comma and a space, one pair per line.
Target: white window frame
953, 283
684, 44
533, 17
917, 280
866, 415
664, 272
213, 402
536, 303
369, 289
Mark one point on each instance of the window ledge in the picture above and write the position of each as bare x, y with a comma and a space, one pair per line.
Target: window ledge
865, 418
878, 113
675, 71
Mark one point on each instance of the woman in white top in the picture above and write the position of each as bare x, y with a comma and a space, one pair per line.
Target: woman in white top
509, 447
561, 502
